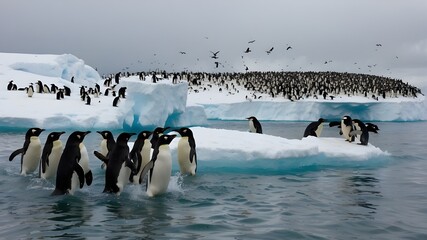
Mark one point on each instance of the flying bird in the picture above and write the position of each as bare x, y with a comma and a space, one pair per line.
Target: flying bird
378, 45
288, 48
214, 55
251, 41
248, 50
183, 52
269, 51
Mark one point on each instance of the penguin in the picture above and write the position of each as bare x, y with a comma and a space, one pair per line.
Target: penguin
346, 125
372, 127
39, 86
254, 125
30, 91
88, 100
122, 92
10, 85
30, 152
159, 168
70, 175
67, 91
360, 129
314, 128
84, 162
115, 101
187, 156
51, 154
156, 134
119, 167
140, 154
106, 145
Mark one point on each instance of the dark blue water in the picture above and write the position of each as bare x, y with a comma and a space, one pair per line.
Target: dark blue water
364, 200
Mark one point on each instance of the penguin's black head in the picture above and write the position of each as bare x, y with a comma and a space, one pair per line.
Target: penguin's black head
347, 120
165, 139
372, 127
77, 136
105, 134
144, 135
159, 130
321, 120
124, 137
34, 132
53, 136
184, 132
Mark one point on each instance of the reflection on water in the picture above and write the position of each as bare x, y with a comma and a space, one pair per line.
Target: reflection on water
363, 191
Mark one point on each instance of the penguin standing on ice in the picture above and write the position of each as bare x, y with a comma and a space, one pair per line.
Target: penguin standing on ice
254, 125
30, 91
106, 145
51, 154
314, 128
346, 125
360, 131
140, 154
30, 152
187, 157
119, 165
116, 100
159, 168
70, 174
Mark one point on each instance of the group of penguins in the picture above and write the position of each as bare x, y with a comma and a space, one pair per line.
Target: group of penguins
85, 93
149, 158
350, 129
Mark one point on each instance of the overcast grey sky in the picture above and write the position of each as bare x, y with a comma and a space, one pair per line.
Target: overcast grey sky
139, 35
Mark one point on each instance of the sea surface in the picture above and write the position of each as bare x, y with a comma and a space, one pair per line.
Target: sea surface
364, 200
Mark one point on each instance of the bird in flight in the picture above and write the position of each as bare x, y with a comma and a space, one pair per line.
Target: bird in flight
288, 48
251, 41
183, 52
248, 50
269, 51
214, 56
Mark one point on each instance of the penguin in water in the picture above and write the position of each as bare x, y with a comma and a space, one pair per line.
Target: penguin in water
30, 152
51, 154
159, 168
254, 125
346, 125
84, 162
314, 128
187, 156
140, 154
70, 174
119, 165
106, 145
156, 134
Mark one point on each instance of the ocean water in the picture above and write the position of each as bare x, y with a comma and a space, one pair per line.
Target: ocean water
366, 200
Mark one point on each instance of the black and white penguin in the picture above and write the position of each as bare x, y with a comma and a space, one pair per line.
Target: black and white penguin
106, 145
30, 152
156, 134
10, 85
360, 131
187, 156
119, 167
88, 100
30, 91
116, 101
254, 125
140, 154
70, 174
314, 128
159, 168
122, 92
51, 154
372, 127
346, 125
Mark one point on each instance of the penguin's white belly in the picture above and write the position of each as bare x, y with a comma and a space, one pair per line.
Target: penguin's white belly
31, 159
103, 147
319, 130
346, 132
161, 173
185, 165
146, 156
54, 157
252, 127
75, 183
84, 158
123, 177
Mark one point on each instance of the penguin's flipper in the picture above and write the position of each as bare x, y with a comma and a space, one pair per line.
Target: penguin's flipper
335, 123
193, 155
131, 166
101, 157
15, 153
89, 178
355, 132
145, 170
80, 172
